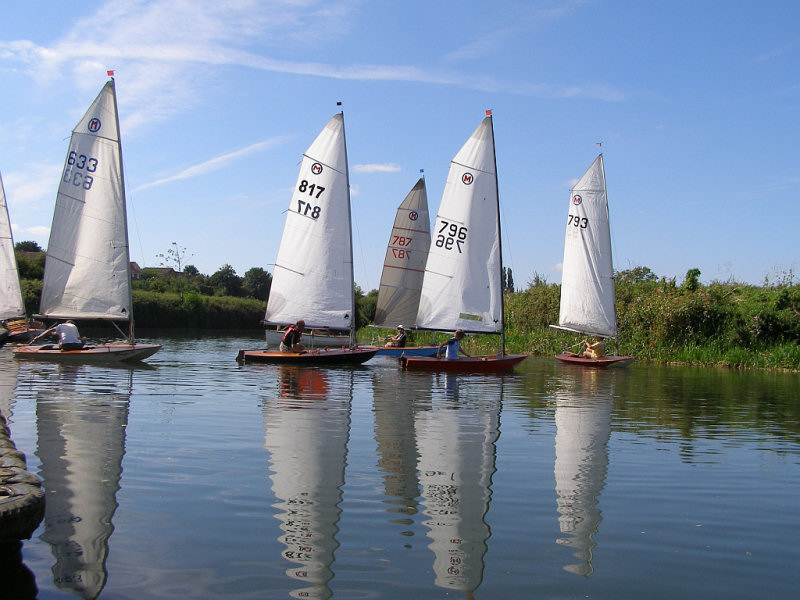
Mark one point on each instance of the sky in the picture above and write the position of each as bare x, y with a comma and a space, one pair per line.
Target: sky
696, 105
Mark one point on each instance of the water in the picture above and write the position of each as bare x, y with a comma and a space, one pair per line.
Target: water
194, 477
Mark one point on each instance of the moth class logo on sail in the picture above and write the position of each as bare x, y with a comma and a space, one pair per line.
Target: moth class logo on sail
467, 178
413, 215
316, 168
94, 125
576, 199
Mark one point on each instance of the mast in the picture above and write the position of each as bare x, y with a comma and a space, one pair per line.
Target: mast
499, 245
124, 210
350, 236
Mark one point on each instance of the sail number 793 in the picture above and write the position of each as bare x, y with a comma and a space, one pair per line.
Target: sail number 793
451, 236
577, 221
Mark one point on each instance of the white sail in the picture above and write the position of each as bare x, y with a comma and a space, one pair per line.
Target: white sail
11, 304
587, 283
313, 276
404, 265
461, 287
87, 269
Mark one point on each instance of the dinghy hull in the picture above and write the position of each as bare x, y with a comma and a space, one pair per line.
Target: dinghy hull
464, 364
323, 356
102, 353
601, 363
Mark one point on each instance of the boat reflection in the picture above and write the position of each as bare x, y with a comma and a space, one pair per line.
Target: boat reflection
584, 401
302, 382
81, 444
307, 428
396, 443
8, 384
456, 448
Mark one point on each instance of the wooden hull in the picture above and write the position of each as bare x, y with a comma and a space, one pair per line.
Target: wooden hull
604, 362
20, 331
464, 364
102, 353
312, 338
324, 356
407, 351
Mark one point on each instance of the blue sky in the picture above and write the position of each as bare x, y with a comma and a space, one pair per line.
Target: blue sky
696, 103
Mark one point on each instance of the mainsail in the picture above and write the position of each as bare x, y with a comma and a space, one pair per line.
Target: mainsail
11, 303
462, 286
587, 280
404, 265
87, 269
313, 276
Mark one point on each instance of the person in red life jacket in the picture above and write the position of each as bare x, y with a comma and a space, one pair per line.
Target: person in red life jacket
291, 338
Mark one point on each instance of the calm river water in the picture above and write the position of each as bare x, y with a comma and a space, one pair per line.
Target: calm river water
196, 478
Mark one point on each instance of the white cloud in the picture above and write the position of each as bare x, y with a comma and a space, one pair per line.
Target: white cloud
376, 168
216, 163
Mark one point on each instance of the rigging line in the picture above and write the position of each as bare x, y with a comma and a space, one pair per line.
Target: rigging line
506, 247
354, 221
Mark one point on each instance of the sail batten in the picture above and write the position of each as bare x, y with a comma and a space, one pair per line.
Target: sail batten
587, 283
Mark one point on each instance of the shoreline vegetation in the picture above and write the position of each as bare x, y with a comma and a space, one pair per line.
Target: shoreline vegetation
721, 324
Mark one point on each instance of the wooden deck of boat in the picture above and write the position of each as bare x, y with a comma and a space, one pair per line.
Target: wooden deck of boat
101, 353
464, 364
601, 363
321, 356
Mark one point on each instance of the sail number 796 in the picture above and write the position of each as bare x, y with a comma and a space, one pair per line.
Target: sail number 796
451, 236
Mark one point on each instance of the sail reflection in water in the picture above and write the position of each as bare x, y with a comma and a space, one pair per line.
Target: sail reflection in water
307, 427
456, 446
81, 445
584, 401
396, 443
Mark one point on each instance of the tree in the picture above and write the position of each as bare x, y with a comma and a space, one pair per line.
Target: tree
191, 270
508, 280
256, 283
27, 246
692, 276
175, 258
226, 282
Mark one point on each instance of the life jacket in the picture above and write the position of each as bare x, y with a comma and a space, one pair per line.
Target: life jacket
289, 330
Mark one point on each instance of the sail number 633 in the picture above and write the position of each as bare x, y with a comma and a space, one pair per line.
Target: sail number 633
451, 236
577, 221
77, 170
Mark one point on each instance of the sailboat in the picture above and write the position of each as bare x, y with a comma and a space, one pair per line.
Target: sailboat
404, 267
313, 277
87, 268
16, 326
587, 280
462, 286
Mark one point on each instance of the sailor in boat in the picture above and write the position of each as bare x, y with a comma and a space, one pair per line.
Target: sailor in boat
453, 346
69, 338
291, 338
399, 340
594, 350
